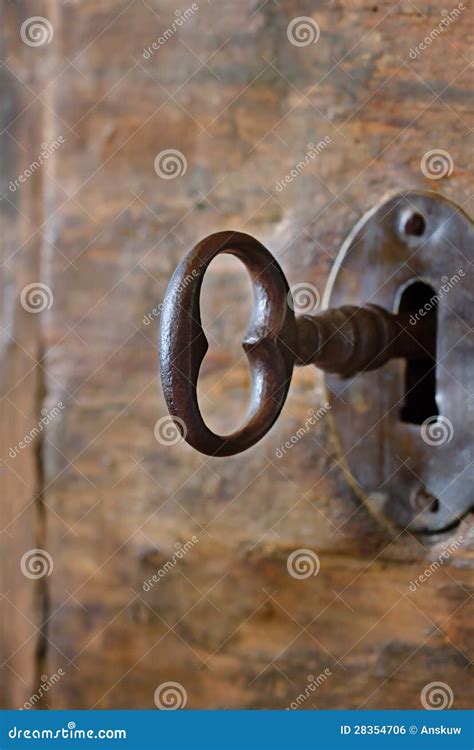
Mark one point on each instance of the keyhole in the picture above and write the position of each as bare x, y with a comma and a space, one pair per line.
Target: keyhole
420, 300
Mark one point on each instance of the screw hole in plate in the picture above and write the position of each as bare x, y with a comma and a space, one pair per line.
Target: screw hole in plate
415, 225
422, 500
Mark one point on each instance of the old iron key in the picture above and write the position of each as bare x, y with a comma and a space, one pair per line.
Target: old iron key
344, 340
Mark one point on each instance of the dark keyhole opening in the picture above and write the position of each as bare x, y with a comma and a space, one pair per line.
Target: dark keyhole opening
419, 299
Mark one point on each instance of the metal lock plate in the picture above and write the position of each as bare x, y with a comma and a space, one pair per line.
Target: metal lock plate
411, 466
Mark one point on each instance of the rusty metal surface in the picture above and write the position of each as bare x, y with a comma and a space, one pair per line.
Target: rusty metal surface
417, 475
267, 344
346, 341
413, 475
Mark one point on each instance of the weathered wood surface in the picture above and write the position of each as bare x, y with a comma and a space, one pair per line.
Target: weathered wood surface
21, 375
241, 103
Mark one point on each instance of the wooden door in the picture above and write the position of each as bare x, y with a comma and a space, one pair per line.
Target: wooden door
235, 94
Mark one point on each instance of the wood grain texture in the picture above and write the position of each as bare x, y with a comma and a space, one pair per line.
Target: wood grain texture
241, 103
21, 374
